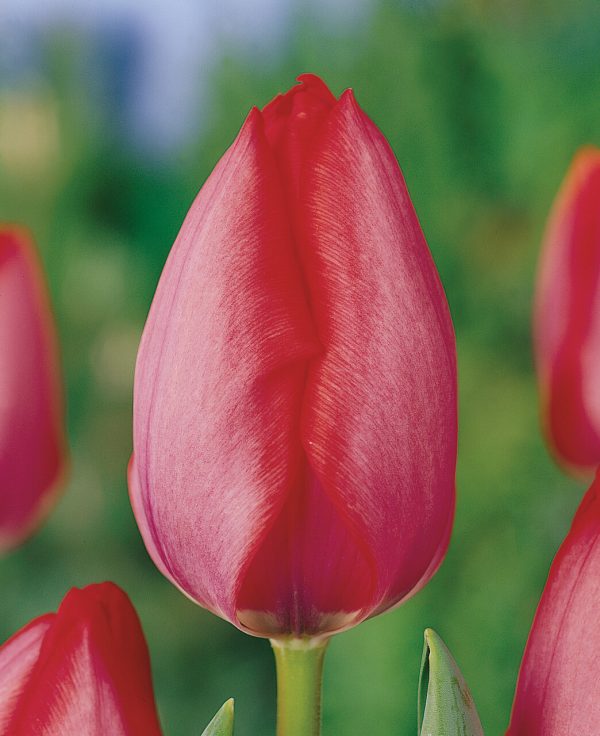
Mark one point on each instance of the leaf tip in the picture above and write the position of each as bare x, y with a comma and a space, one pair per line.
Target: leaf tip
222, 723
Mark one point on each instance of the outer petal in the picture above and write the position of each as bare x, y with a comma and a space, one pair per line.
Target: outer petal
567, 318
219, 378
379, 422
32, 446
92, 673
558, 692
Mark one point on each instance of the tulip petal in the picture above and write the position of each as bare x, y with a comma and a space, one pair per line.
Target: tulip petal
567, 318
558, 691
32, 451
311, 572
379, 415
219, 377
92, 672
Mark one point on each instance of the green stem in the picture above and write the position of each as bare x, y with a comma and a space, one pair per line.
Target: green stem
299, 665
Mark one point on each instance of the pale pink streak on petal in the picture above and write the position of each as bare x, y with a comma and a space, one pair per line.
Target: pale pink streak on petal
137, 505
17, 659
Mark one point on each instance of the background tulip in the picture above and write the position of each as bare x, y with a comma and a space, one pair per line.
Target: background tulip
558, 692
32, 445
84, 670
295, 390
566, 322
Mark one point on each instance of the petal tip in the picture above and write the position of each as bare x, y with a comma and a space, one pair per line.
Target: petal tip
584, 170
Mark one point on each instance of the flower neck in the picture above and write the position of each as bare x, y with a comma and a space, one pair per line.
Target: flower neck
299, 663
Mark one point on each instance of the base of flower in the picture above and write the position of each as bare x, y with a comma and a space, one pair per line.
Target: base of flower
299, 663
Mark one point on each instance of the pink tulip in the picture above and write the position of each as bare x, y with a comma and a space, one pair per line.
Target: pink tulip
295, 390
32, 445
83, 671
558, 692
567, 318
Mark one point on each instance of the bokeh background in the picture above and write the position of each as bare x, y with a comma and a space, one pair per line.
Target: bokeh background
112, 115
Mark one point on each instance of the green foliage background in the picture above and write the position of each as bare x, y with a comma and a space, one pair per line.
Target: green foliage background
484, 104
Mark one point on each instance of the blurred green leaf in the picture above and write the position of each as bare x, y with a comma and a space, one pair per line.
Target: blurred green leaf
222, 723
446, 707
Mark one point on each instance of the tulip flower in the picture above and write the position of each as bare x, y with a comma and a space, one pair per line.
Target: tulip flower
295, 389
32, 445
558, 691
82, 670
566, 324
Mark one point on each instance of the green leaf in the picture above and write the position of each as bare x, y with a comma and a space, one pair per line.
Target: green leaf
446, 707
222, 723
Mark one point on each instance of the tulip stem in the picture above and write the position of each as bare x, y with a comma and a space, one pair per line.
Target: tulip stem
299, 665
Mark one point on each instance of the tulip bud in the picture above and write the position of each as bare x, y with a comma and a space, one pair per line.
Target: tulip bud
566, 322
558, 691
295, 389
32, 445
83, 670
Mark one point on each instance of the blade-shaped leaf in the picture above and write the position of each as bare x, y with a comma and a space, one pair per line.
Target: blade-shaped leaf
446, 707
222, 723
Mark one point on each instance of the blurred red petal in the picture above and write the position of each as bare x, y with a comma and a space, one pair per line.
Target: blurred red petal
32, 443
566, 323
